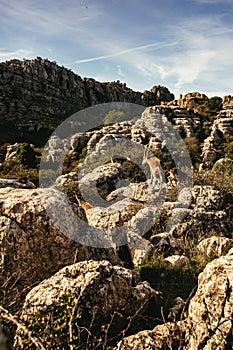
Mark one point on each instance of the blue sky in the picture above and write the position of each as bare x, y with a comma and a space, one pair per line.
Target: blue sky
185, 45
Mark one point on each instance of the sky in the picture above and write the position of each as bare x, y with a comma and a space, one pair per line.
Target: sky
185, 45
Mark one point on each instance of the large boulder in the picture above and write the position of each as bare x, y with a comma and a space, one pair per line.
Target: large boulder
96, 290
34, 243
211, 309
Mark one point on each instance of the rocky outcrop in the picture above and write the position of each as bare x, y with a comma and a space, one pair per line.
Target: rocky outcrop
105, 178
36, 95
228, 102
221, 127
210, 313
206, 214
192, 100
95, 288
177, 260
211, 310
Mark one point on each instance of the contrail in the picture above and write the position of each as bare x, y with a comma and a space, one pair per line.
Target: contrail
98, 58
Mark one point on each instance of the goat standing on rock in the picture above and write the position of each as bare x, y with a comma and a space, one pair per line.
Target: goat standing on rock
155, 168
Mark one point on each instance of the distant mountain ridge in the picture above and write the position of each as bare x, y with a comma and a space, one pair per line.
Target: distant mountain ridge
36, 95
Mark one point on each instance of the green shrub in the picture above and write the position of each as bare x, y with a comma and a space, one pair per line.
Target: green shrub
193, 147
172, 281
133, 172
114, 116
25, 155
2, 153
165, 159
211, 107
229, 150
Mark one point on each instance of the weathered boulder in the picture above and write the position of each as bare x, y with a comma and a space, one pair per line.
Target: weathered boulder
207, 197
215, 246
207, 213
211, 309
95, 287
104, 178
140, 250
69, 178
36, 241
114, 215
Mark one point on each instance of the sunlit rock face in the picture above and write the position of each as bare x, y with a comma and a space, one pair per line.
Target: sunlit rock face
36, 95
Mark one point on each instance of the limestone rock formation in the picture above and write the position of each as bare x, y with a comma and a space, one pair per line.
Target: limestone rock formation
211, 309
36, 95
140, 249
209, 321
192, 100
167, 336
221, 127
105, 178
215, 246
96, 287
207, 213
228, 102
40, 235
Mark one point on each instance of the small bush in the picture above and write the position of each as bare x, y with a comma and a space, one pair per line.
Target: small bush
113, 117
68, 326
193, 147
25, 155
211, 107
133, 172
172, 281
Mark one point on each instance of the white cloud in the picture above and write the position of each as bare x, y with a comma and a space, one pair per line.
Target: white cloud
119, 71
19, 54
